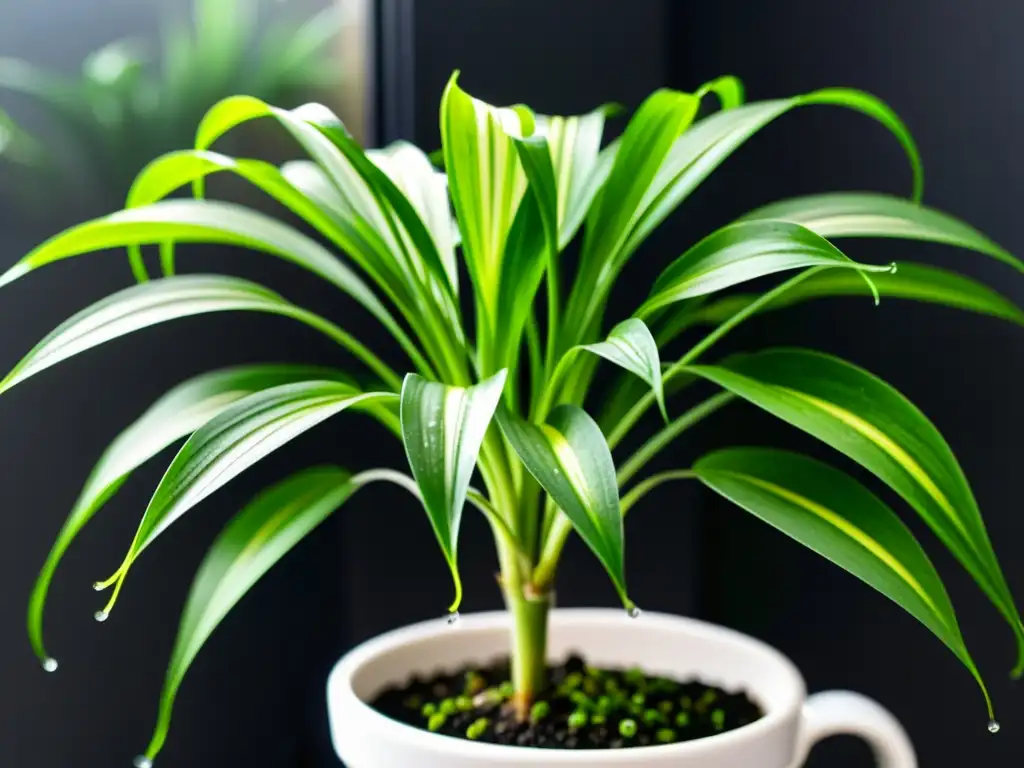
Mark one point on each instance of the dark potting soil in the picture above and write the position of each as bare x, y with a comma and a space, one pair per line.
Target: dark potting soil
584, 707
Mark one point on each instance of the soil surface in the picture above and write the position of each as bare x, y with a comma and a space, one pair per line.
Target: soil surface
584, 707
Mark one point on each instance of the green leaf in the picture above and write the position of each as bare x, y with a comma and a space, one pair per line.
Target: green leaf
869, 421
575, 146
831, 513
427, 190
487, 184
865, 214
375, 203
728, 88
531, 244
177, 414
159, 301
252, 543
635, 160
206, 222
630, 345
141, 306
570, 459
390, 178
230, 443
647, 141
918, 282
535, 156
443, 428
712, 140
328, 215
741, 252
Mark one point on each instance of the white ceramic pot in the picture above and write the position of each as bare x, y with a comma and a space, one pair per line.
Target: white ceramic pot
658, 643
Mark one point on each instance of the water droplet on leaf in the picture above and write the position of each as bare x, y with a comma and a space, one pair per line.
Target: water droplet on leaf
633, 612
142, 762
453, 618
50, 665
101, 616
993, 726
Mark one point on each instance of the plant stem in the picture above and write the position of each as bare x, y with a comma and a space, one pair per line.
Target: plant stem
633, 415
554, 540
529, 613
349, 342
670, 432
167, 257
641, 489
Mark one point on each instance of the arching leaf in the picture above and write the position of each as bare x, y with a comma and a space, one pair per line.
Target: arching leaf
235, 440
834, 515
377, 206
207, 222
252, 543
177, 169
869, 421
742, 252
177, 414
867, 214
148, 304
917, 282
713, 140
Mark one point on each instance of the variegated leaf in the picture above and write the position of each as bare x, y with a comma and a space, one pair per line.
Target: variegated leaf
443, 428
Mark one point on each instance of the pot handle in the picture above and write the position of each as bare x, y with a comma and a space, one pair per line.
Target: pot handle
843, 712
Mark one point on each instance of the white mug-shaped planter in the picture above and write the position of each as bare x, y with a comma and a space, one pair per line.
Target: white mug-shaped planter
660, 644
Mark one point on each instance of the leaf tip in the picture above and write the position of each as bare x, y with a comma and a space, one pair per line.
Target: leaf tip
453, 81
18, 270
661, 406
453, 609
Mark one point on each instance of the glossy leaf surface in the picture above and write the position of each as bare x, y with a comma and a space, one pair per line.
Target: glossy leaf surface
631, 346
235, 440
252, 543
177, 414
869, 421
742, 252
834, 515
864, 214
916, 282
142, 306
570, 459
443, 428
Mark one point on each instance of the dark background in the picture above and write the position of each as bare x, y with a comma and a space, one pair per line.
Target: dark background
254, 696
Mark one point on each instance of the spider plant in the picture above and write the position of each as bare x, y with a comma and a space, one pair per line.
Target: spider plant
501, 357
123, 109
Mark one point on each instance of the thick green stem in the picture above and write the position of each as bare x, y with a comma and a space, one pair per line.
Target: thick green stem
529, 645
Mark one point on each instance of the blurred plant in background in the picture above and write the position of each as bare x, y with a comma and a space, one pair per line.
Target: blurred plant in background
134, 100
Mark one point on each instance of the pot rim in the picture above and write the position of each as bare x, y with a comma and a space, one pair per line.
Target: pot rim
343, 696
